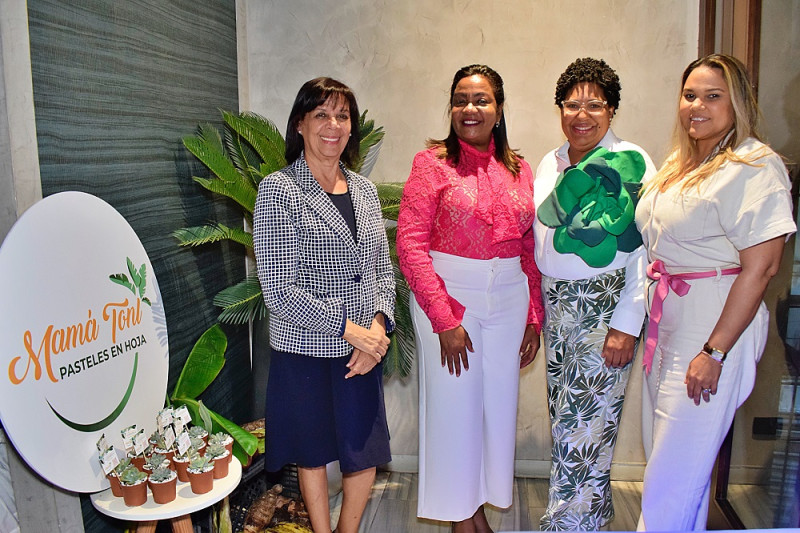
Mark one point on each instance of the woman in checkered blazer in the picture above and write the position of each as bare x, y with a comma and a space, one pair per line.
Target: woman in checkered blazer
323, 261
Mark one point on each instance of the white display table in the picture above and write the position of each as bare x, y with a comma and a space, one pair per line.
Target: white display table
178, 510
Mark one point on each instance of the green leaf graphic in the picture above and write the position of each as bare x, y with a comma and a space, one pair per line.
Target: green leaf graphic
122, 279
96, 426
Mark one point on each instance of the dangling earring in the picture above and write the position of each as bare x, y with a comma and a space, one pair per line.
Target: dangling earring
299, 132
497, 124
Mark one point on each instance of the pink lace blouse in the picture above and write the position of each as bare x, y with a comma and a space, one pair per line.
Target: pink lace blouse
476, 209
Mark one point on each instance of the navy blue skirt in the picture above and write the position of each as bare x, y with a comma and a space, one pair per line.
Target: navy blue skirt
315, 416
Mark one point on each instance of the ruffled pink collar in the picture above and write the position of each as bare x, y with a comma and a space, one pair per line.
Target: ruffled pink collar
494, 204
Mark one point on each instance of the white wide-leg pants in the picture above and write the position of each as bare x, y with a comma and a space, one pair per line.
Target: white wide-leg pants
681, 439
467, 424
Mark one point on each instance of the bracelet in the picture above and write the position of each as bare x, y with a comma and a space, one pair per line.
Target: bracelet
715, 353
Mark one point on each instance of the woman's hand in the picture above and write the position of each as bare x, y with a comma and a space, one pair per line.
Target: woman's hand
372, 341
454, 344
360, 363
618, 348
529, 347
702, 377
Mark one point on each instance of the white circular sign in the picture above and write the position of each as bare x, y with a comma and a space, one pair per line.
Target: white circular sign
83, 337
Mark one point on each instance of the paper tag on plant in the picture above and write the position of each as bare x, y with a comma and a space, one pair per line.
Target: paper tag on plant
102, 444
169, 436
127, 437
109, 460
178, 424
164, 419
139, 442
182, 413
184, 442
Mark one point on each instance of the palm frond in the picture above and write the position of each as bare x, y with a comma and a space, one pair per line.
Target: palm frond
197, 235
241, 191
262, 135
242, 302
389, 195
369, 147
212, 155
210, 135
402, 350
245, 158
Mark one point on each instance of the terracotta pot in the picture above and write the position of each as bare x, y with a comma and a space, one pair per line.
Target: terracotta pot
137, 461
116, 490
201, 482
229, 446
165, 491
180, 467
221, 465
134, 495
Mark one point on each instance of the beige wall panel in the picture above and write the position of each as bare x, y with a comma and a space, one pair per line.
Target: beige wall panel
399, 58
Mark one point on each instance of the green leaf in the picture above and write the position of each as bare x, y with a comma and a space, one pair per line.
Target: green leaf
205, 416
261, 134
197, 235
122, 279
245, 443
142, 285
241, 302
203, 364
242, 192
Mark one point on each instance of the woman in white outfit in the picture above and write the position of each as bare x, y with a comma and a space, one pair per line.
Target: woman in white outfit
466, 248
714, 221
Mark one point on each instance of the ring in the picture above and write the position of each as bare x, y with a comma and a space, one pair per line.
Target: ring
706, 390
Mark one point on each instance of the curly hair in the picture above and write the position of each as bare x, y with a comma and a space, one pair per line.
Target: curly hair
588, 69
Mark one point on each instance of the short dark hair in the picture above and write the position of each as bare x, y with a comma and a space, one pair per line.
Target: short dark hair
312, 94
449, 146
588, 69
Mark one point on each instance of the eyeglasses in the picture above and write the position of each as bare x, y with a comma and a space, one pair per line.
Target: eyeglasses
593, 107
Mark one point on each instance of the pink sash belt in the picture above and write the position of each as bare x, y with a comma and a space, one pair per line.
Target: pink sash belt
666, 281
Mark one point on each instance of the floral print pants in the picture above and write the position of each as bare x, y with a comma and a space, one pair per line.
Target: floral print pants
584, 397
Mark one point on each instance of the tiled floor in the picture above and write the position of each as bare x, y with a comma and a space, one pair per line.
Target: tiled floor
393, 507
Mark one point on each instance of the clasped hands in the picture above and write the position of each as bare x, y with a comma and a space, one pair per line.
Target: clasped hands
455, 343
369, 345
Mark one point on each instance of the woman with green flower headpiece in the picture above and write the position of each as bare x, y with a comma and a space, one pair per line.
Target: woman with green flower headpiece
593, 268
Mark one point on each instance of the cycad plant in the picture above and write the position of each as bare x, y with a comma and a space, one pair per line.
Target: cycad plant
250, 148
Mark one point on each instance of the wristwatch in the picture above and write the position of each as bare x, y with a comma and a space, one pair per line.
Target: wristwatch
715, 353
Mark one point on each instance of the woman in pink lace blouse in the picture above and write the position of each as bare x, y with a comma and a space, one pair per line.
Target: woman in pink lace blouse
466, 248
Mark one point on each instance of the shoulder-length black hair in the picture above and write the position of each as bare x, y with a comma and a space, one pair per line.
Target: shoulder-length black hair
449, 147
312, 94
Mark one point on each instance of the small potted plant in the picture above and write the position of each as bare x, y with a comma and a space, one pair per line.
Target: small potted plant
134, 486
220, 455
163, 482
201, 474
181, 463
224, 439
113, 477
198, 445
160, 447
199, 432
155, 461
136, 460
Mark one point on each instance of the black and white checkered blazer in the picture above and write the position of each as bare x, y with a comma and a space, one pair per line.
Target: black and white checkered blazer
313, 274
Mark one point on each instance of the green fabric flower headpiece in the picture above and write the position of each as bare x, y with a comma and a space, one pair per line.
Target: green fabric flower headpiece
592, 206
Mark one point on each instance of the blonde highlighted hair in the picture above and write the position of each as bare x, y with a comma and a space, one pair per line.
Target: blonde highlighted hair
680, 166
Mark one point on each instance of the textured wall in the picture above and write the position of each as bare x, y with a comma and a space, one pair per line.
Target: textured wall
399, 58
116, 86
